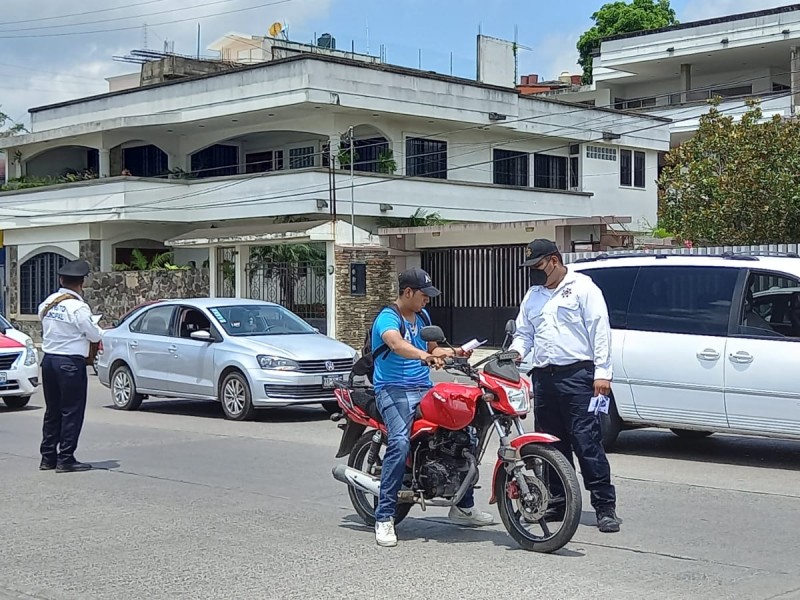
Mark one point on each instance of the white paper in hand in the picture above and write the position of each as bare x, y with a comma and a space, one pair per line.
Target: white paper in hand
599, 404
472, 345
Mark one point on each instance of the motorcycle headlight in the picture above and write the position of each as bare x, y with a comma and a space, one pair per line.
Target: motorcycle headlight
518, 398
30, 353
277, 363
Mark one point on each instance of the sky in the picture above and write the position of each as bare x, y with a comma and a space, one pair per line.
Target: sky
52, 50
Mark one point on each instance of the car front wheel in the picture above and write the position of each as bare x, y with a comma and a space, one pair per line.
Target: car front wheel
16, 402
235, 396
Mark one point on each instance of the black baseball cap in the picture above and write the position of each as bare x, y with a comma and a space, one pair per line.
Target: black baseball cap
537, 250
74, 268
417, 279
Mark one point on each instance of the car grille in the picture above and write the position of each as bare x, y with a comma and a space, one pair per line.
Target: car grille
298, 392
6, 360
9, 386
320, 366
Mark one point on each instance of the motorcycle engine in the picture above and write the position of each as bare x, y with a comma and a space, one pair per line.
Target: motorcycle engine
441, 466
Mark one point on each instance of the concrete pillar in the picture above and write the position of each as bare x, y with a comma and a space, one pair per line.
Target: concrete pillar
212, 272
7, 156
686, 82
241, 258
104, 162
795, 79
334, 139
330, 289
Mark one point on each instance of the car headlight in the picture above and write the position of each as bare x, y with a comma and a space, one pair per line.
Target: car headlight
30, 353
518, 398
277, 363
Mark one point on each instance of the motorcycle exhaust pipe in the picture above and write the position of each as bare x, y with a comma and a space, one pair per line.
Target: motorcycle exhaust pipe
357, 479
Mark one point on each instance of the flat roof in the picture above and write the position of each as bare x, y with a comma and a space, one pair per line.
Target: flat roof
398, 70
715, 21
459, 227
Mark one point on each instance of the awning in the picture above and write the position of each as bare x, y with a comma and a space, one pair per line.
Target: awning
513, 225
281, 233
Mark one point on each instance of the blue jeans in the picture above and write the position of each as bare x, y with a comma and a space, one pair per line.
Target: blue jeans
397, 407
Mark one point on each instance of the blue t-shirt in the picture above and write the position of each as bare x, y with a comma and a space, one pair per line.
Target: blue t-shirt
392, 369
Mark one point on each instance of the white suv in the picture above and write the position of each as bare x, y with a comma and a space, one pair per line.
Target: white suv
702, 344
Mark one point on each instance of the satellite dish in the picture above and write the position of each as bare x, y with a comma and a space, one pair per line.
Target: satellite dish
275, 29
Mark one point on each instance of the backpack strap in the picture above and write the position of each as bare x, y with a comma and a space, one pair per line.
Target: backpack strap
383, 350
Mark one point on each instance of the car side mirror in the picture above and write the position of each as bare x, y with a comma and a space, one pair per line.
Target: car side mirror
433, 334
511, 327
201, 336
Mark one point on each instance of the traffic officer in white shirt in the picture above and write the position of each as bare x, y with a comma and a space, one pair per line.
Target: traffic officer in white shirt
67, 330
564, 319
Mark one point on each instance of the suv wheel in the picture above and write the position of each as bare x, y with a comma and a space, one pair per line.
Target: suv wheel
234, 394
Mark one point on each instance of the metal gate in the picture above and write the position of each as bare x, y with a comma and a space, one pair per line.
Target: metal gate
299, 286
482, 287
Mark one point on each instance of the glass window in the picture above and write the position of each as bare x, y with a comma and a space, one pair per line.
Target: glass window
688, 300
259, 319
511, 168
625, 168
616, 285
38, 278
771, 306
549, 172
426, 158
301, 158
154, 321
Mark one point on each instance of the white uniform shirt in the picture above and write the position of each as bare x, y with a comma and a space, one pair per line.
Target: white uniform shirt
566, 325
67, 328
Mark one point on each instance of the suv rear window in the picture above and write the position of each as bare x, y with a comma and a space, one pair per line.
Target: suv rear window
689, 300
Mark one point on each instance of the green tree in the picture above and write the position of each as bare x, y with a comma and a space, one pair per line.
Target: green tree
615, 18
734, 182
420, 218
13, 129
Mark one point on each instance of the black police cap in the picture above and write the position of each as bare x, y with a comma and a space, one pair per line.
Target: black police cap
537, 250
75, 268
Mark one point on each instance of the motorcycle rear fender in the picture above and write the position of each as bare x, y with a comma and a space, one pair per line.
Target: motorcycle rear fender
352, 431
518, 443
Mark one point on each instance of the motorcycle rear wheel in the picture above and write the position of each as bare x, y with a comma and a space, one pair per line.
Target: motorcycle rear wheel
364, 503
512, 518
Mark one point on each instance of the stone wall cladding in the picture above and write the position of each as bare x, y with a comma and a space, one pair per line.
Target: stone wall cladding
89, 250
12, 277
354, 314
115, 293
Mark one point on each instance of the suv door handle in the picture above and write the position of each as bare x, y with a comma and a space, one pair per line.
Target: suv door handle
741, 357
708, 354
133, 344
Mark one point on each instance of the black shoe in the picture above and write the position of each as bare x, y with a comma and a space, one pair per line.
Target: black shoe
607, 520
46, 466
73, 467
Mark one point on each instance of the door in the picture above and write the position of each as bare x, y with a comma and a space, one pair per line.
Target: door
192, 361
149, 348
616, 283
674, 352
762, 394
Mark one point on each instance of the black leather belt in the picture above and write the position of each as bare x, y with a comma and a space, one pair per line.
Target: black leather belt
584, 364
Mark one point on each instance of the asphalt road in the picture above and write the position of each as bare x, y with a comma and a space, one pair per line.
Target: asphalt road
188, 505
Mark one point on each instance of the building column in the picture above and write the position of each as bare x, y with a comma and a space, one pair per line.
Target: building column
795, 79
330, 289
212, 272
241, 258
104, 162
89, 250
334, 140
686, 82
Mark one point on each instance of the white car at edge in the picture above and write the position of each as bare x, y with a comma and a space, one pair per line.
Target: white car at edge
19, 366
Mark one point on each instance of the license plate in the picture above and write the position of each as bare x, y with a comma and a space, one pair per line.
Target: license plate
3, 377
329, 381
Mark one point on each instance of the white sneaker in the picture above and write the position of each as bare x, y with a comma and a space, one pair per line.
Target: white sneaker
470, 517
384, 533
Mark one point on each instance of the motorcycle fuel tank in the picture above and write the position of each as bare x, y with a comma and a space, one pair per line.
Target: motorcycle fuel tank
450, 405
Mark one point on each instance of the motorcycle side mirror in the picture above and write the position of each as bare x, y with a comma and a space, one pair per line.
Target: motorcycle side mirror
511, 327
433, 333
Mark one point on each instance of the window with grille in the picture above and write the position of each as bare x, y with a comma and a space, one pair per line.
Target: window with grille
632, 166
301, 158
511, 168
38, 278
426, 158
550, 172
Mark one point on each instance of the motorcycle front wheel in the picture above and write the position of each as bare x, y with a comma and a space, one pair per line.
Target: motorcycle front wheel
538, 510
364, 503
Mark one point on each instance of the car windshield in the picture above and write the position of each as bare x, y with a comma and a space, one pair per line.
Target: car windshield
254, 319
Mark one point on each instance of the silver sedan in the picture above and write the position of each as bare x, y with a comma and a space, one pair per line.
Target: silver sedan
247, 354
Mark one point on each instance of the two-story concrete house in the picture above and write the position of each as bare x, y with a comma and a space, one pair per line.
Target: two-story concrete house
205, 164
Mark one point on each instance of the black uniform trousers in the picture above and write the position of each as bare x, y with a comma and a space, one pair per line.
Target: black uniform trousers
65, 382
561, 408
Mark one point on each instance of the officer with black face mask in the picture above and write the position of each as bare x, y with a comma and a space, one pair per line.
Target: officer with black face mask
564, 320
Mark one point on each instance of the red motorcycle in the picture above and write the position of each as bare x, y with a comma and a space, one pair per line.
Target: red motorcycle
448, 439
